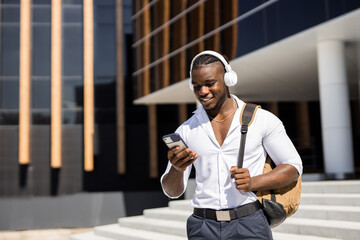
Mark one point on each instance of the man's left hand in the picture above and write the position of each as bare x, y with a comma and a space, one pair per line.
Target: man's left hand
242, 178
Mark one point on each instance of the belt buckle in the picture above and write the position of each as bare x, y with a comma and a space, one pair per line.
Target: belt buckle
223, 216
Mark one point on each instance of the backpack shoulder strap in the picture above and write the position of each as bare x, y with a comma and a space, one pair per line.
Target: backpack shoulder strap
246, 118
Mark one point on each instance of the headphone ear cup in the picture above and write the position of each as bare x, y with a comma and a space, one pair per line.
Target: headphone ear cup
230, 78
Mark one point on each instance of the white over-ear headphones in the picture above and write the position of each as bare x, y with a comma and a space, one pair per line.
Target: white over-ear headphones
230, 77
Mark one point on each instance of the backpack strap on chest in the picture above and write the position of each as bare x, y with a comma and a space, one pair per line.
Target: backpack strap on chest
246, 118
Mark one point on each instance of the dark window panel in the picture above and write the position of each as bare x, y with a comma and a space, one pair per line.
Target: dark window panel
105, 116
9, 94
10, 42
48, 2
41, 13
41, 94
105, 50
73, 2
72, 50
250, 34
10, 13
73, 92
72, 13
72, 117
41, 117
41, 51
9, 117
105, 94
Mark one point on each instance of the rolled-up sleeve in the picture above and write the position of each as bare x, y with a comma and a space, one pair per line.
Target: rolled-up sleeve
278, 144
186, 178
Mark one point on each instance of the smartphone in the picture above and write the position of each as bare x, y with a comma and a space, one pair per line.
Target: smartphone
174, 139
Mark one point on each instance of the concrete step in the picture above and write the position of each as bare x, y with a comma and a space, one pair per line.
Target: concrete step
288, 236
177, 228
87, 236
342, 199
349, 186
323, 228
328, 212
114, 231
167, 214
182, 205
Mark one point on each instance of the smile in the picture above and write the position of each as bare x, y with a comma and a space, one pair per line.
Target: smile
206, 100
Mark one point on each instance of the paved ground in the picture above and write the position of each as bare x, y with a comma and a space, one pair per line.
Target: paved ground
44, 234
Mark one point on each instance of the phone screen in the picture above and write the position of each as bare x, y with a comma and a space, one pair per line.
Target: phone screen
174, 139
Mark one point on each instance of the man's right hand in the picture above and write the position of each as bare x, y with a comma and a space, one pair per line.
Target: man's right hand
182, 159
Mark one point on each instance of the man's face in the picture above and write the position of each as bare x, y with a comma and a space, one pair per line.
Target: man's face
209, 86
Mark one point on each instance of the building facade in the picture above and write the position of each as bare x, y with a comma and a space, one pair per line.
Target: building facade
62, 95
298, 59
71, 71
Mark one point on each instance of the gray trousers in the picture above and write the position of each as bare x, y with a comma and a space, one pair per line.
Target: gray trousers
254, 226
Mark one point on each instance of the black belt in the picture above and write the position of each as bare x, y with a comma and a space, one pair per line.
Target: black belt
228, 214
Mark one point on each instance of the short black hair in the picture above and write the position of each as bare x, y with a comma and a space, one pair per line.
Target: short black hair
205, 60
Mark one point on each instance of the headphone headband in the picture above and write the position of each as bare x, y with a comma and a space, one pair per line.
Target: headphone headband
215, 54
230, 77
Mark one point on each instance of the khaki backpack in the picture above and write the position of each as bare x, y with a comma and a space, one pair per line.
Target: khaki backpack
277, 203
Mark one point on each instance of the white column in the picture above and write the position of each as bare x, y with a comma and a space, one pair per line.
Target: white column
335, 108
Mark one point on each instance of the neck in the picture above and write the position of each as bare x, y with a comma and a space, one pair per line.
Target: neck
226, 107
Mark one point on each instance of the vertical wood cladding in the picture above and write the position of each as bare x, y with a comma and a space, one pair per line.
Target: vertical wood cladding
25, 82
170, 33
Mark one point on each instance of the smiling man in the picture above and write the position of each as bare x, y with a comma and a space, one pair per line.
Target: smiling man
225, 206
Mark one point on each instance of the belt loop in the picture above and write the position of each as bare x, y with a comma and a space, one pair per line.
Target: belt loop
204, 213
236, 213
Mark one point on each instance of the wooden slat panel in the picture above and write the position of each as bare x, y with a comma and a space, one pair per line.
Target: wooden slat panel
182, 113
179, 37
25, 82
228, 12
196, 27
120, 92
88, 86
154, 173
303, 124
212, 21
146, 50
273, 107
56, 86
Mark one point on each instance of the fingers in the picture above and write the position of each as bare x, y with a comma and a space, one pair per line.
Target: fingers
242, 178
182, 159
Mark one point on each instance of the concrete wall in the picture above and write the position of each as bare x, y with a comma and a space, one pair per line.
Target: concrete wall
78, 210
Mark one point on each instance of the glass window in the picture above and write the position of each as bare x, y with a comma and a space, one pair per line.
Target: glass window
72, 116
73, 92
41, 52
41, 94
9, 117
72, 13
10, 42
73, 2
9, 94
250, 34
105, 116
104, 14
105, 94
41, 1
10, 13
105, 51
72, 50
41, 13
41, 116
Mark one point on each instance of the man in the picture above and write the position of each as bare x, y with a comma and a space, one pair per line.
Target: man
213, 137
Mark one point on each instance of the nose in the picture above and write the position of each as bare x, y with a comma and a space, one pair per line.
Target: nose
204, 90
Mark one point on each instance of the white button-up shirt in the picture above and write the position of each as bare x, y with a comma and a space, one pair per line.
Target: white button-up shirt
214, 187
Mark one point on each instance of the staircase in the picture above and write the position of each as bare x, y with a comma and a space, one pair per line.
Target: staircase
329, 210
